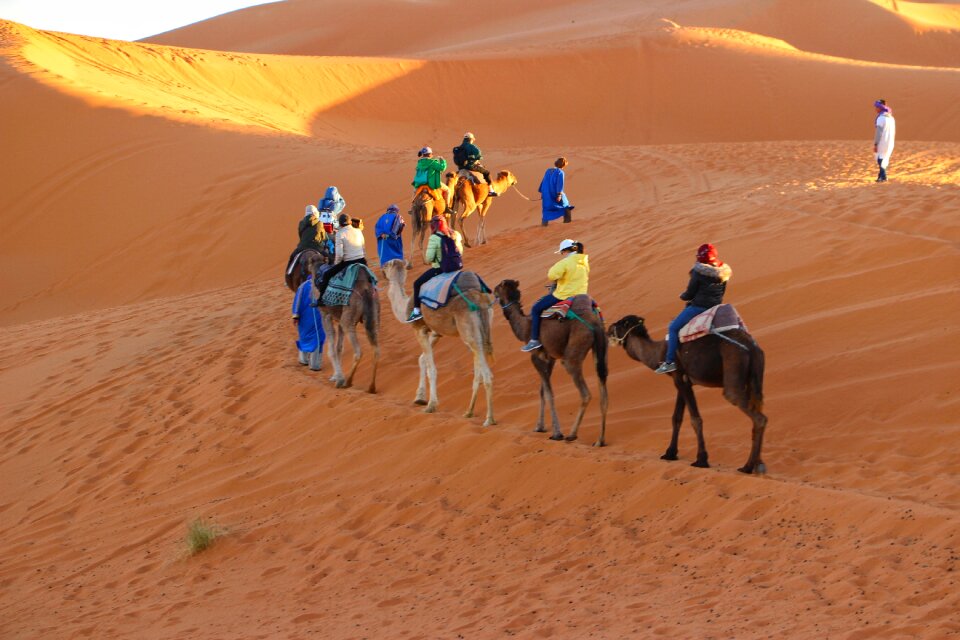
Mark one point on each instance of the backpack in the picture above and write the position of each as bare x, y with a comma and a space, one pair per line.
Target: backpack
450, 258
459, 156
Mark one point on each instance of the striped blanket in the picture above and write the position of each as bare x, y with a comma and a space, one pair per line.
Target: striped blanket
718, 319
340, 287
436, 292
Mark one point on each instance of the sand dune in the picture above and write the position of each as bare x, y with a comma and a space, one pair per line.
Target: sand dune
147, 371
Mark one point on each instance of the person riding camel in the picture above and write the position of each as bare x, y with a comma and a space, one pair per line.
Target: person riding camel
444, 254
429, 176
468, 156
571, 275
349, 249
312, 237
332, 202
708, 283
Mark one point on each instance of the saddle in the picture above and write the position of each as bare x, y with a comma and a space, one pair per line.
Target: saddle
440, 290
474, 177
561, 310
340, 287
718, 319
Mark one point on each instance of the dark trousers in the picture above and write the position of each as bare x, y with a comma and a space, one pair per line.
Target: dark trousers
539, 307
479, 168
673, 331
327, 275
422, 280
883, 172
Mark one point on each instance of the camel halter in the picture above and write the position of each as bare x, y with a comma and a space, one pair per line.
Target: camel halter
620, 340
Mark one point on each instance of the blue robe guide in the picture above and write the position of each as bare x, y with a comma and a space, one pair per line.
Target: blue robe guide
308, 319
391, 247
550, 187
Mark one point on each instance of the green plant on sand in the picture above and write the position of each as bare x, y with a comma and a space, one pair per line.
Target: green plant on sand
200, 535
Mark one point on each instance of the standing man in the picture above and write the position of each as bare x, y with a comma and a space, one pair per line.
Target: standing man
306, 320
883, 138
388, 230
468, 156
553, 200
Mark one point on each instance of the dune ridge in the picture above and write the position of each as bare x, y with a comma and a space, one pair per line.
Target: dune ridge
148, 374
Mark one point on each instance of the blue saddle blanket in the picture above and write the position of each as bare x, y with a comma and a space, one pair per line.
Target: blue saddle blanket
340, 287
438, 290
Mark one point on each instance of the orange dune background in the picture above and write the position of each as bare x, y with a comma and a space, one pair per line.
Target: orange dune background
148, 374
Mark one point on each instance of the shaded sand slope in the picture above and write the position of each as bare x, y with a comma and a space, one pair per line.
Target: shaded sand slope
387, 521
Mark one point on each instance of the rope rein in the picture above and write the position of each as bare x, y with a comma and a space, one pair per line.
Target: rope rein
620, 340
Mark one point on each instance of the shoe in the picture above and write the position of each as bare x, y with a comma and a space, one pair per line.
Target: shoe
570, 207
415, 315
530, 346
666, 367
492, 194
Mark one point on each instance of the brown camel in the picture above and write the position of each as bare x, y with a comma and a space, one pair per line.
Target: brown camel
469, 197
364, 306
469, 320
709, 361
568, 340
422, 210
293, 276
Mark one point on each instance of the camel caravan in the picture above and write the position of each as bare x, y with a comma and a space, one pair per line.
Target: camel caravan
708, 344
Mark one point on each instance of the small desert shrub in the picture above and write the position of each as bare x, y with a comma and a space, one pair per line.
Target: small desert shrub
200, 535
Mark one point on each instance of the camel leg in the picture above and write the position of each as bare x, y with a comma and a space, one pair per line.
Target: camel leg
422, 387
754, 463
476, 387
604, 400
544, 367
575, 369
351, 332
540, 428
426, 342
685, 387
677, 420
332, 330
375, 344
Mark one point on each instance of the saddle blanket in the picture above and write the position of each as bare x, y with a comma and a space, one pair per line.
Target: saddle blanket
436, 292
562, 308
340, 287
718, 319
294, 261
473, 176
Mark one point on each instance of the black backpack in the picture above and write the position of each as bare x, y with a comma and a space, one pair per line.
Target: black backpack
459, 156
450, 258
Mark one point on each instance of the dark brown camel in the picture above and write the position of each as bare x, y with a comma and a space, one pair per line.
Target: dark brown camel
294, 276
568, 340
364, 306
709, 361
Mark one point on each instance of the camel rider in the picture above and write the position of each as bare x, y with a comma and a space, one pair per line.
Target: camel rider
444, 254
332, 202
349, 250
468, 156
708, 283
429, 176
312, 236
571, 274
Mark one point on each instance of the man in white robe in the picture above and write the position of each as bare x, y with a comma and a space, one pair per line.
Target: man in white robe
883, 138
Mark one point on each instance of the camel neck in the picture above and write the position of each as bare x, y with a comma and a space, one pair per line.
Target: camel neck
398, 297
649, 352
519, 322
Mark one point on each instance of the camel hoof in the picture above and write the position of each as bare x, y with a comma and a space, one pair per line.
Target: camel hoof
468, 414
557, 436
430, 409
570, 438
668, 456
489, 423
700, 464
420, 401
372, 389
761, 469
599, 443
540, 429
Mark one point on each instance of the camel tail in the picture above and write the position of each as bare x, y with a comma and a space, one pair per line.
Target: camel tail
755, 386
600, 352
371, 314
485, 313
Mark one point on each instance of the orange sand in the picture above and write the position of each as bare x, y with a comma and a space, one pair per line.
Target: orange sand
147, 372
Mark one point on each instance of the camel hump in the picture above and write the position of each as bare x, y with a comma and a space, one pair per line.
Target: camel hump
582, 303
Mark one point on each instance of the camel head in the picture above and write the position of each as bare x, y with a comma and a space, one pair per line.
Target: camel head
619, 330
508, 176
313, 261
395, 271
507, 293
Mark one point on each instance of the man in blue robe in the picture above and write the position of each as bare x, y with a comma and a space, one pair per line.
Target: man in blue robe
553, 200
306, 319
388, 230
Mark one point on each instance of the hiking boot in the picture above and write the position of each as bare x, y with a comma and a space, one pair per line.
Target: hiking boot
666, 367
530, 346
415, 315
